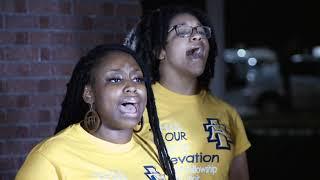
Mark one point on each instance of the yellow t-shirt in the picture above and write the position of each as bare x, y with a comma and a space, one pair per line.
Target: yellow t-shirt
202, 133
76, 154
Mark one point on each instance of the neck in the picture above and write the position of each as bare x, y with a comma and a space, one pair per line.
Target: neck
180, 84
114, 136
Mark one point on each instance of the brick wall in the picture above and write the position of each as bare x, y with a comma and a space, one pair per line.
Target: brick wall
40, 41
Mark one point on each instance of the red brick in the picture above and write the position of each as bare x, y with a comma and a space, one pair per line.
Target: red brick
7, 6
62, 69
52, 86
65, 53
41, 131
87, 23
44, 22
21, 86
89, 8
109, 9
42, 101
20, 6
37, 38
18, 147
40, 6
128, 10
14, 101
41, 69
2, 57
3, 117
13, 132
6, 101
66, 22
22, 38
13, 6
3, 85
45, 54
62, 38
21, 21
22, 101
8, 175
22, 53
109, 24
56, 112
51, 38
7, 163
7, 37
89, 38
16, 116
45, 86
15, 69
1, 21
44, 116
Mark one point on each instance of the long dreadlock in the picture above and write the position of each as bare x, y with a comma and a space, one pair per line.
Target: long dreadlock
149, 37
74, 108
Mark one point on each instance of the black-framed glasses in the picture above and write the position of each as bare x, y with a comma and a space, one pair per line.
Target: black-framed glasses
186, 31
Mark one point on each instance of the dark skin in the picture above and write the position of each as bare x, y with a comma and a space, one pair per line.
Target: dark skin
119, 95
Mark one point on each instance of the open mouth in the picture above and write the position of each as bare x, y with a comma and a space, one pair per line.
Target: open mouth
129, 107
195, 53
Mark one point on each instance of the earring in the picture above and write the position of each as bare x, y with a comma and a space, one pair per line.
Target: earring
91, 120
141, 123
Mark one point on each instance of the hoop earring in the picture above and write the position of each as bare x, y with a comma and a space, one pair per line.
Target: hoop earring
141, 123
91, 120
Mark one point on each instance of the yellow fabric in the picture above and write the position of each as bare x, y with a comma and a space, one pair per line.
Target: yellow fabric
202, 133
76, 154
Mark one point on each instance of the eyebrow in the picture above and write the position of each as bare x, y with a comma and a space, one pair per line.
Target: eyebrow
117, 70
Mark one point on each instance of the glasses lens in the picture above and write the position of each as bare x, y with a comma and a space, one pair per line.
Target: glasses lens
183, 31
186, 31
204, 31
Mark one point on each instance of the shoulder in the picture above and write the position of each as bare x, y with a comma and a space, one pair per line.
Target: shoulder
54, 144
218, 103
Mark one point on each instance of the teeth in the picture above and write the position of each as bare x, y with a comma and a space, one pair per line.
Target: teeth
128, 108
195, 53
191, 51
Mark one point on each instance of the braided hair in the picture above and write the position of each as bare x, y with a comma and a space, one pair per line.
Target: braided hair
149, 37
73, 107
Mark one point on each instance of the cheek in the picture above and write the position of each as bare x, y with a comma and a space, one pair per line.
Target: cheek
176, 49
106, 98
144, 95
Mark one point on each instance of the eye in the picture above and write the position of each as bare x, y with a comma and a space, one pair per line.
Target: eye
114, 80
138, 79
184, 30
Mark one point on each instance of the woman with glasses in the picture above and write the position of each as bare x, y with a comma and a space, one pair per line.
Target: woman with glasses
205, 137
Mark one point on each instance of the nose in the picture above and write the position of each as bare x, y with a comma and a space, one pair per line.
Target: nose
195, 36
130, 87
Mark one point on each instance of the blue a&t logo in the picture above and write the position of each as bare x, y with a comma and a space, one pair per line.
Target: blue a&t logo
218, 134
152, 173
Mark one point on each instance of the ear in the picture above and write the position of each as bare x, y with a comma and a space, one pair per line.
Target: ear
87, 95
162, 54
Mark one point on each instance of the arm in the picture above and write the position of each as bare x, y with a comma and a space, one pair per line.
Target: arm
239, 168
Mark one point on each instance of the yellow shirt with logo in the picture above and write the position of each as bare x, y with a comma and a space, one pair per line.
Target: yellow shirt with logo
202, 133
76, 154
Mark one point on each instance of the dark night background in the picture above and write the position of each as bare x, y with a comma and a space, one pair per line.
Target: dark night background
273, 23
284, 145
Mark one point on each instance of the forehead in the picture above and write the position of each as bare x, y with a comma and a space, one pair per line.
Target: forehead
184, 18
118, 59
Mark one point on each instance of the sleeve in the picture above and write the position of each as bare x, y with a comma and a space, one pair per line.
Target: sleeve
241, 140
37, 167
